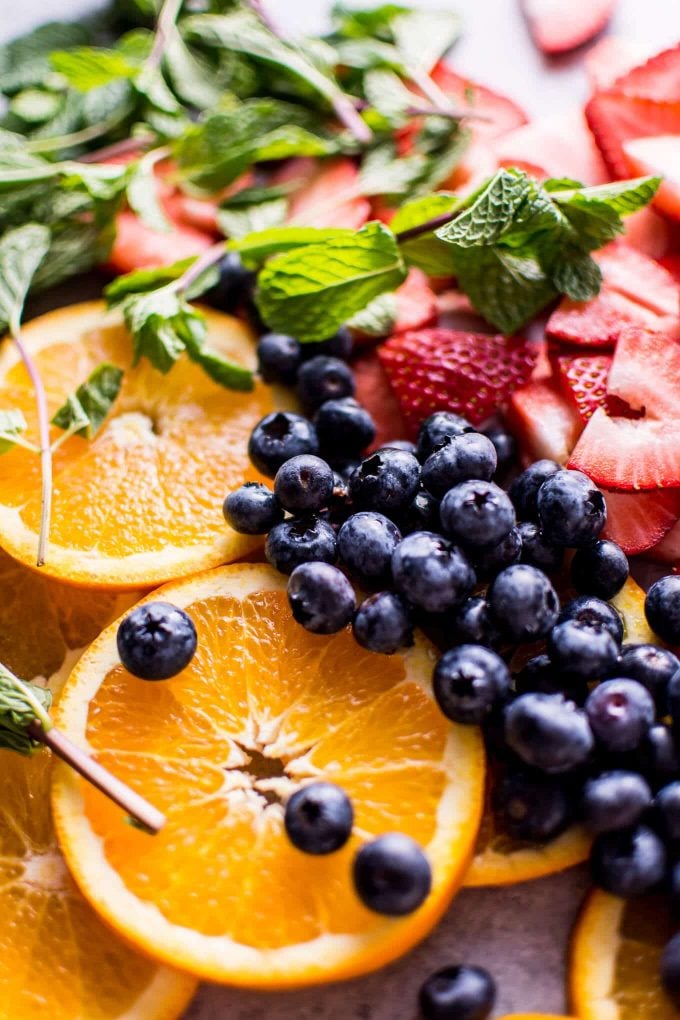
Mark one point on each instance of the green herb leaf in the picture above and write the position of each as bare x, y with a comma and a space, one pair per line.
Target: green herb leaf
85, 410
578, 276
507, 288
161, 323
423, 37
24, 62
21, 704
256, 248
622, 197
142, 195
384, 173
12, 424
21, 252
493, 211
88, 67
142, 280
377, 318
220, 369
426, 252
253, 209
35, 106
192, 78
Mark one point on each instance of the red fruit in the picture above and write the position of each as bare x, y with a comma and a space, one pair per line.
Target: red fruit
638, 520
671, 264
610, 58
544, 422
557, 27
374, 392
615, 117
660, 157
557, 146
137, 246
645, 374
639, 278
584, 381
668, 549
416, 303
656, 78
445, 369
329, 194
598, 322
649, 233
502, 114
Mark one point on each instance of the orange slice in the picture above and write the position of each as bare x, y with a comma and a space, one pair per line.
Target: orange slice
264, 707
615, 956
141, 502
630, 602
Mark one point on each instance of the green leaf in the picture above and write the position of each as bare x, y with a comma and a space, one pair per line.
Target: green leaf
220, 369
85, 410
24, 62
426, 252
191, 77
386, 92
256, 248
21, 704
508, 289
366, 24
384, 173
312, 291
159, 322
622, 197
21, 252
89, 67
12, 424
142, 280
491, 213
255, 209
142, 195
578, 276
423, 37
35, 106
377, 319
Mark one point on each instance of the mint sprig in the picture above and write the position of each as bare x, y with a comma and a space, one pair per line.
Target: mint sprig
85, 410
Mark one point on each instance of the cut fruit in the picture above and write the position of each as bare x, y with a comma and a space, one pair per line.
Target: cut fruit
263, 707
546, 424
141, 502
656, 78
558, 146
610, 58
668, 549
500, 112
639, 278
557, 27
659, 156
630, 602
615, 955
615, 118
416, 303
638, 520
584, 381
373, 390
629, 454
329, 194
645, 373
138, 246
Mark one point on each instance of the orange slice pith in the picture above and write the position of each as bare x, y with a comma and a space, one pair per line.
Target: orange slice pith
141, 502
220, 891
615, 954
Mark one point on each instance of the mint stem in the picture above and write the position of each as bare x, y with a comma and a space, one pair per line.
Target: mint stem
122, 148
209, 257
165, 27
88, 134
427, 227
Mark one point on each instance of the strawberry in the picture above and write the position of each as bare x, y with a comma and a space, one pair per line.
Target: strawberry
584, 381
416, 303
329, 195
649, 233
645, 373
598, 322
615, 117
668, 549
656, 78
445, 369
544, 422
671, 264
557, 146
610, 58
639, 520
557, 27
137, 246
659, 156
639, 278
502, 114
374, 392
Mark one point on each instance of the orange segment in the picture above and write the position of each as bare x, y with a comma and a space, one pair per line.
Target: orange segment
263, 708
630, 602
141, 502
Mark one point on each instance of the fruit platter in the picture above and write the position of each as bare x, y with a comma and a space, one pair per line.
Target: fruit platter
339, 513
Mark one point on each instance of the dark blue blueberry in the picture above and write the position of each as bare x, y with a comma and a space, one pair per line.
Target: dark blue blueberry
321, 598
628, 862
471, 624
337, 346
278, 358
523, 602
386, 481
422, 514
252, 509
571, 510
300, 540
524, 489
304, 484
278, 437
615, 800
436, 430
469, 681
383, 623
400, 444
470, 455
366, 542
670, 970
344, 427
532, 807
537, 551
673, 699
392, 875
589, 609
156, 641
234, 285
319, 818
657, 756
457, 993
476, 513
539, 674
652, 667
548, 732
504, 443
620, 712
583, 650
491, 559
662, 608
674, 893
323, 378
431, 573
667, 811
600, 569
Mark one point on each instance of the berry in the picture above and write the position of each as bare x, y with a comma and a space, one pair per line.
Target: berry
651, 666
422, 514
615, 800
323, 378
571, 510
304, 484
432, 573
337, 346
471, 455
524, 489
366, 542
383, 623
457, 993
233, 285
472, 624
400, 444
539, 674
252, 509
537, 551
583, 379
620, 713
490, 560
437, 430
469, 681
662, 608
628, 862
505, 445
583, 650
523, 602
319, 818
591, 610
344, 427
547, 732
278, 358
300, 540
600, 569
386, 481
278, 437
532, 807
476, 513
670, 970
156, 641
392, 875
321, 598
667, 811
658, 756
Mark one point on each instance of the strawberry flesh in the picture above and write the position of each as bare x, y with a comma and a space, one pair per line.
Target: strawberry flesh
639, 520
584, 381
660, 157
557, 27
557, 146
501, 113
545, 423
374, 392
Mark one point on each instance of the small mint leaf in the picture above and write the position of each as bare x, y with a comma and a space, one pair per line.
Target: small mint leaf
12, 424
85, 410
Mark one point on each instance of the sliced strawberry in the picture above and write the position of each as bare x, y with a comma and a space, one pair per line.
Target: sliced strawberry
598, 322
668, 549
657, 78
559, 146
584, 381
501, 113
638, 520
557, 27
615, 117
629, 454
330, 196
649, 233
544, 422
645, 373
445, 369
478, 163
639, 278
659, 156
671, 264
137, 246
416, 303
373, 390
612, 57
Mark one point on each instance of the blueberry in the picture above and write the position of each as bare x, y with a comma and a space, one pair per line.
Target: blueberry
421, 514
392, 875
620, 713
469, 681
476, 513
400, 444
491, 559
278, 437
600, 569
658, 756
524, 489
537, 551
674, 890
539, 674
571, 510
344, 427
278, 358
300, 540
234, 284
457, 993
532, 807
321, 598
667, 811
437, 430
523, 602
319, 818
505, 445
252, 509
460, 459
472, 624
304, 484
670, 970
386, 481
156, 641
323, 378
628, 862
383, 623
366, 542
615, 800
431, 573
337, 346
673, 699
583, 650
652, 667
547, 732
662, 608
589, 609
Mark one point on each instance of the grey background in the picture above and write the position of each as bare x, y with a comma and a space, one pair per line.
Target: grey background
519, 933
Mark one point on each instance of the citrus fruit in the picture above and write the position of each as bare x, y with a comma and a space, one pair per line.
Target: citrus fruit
615, 955
141, 502
535, 1016
263, 707
630, 602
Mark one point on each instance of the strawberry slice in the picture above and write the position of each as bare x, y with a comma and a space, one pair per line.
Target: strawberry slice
445, 369
558, 146
659, 156
612, 57
615, 117
500, 112
544, 422
668, 549
657, 78
138, 246
557, 27
329, 194
584, 381
416, 303
639, 520
645, 373
374, 392
649, 232
639, 278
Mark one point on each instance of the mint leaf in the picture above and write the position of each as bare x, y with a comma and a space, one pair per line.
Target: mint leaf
622, 197
386, 92
314, 290
160, 323
193, 79
255, 248
426, 252
84, 411
24, 62
142, 280
362, 24
21, 252
253, 209
507, 289
377, 319
220, 369
88, 67
423, 37
384, 173
21, 704
35, 106
12, 424
142, 195
493, 211
579, 276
